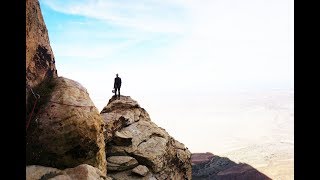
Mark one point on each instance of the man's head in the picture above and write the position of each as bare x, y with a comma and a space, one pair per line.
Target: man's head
117, 75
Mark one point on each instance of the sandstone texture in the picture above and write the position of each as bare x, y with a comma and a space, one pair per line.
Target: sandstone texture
68, 129
121, 163
81, 172
141, 170
40, 62
130, 132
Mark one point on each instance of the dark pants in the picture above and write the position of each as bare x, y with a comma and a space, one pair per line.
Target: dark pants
117, 89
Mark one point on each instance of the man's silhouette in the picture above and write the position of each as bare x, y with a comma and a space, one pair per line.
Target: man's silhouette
117, 86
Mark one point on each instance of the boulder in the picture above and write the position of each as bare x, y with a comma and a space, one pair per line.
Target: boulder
141, 170
128, 174
122, 139
85, 172
68, 129
81, 172
151, 146
35, 172
121, 163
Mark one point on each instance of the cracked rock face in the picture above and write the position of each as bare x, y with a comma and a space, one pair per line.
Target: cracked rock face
68, 129
130, 132
40, 62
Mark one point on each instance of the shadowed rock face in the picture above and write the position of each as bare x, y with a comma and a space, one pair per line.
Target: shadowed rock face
39, 56
130, 132
68, 129
40, 63
209, 166
65, 128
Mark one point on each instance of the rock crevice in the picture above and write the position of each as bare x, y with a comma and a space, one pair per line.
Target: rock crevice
158, 154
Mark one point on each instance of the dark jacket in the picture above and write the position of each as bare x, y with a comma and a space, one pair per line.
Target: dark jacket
117, 82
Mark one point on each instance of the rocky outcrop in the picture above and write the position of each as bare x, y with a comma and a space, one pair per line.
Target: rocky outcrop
222, 168
40, 62
121, 163
39, 56
67, 130
141, 170
130, 132
64, 129
81, 172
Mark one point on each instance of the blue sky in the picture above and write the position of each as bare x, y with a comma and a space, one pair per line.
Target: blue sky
175, 52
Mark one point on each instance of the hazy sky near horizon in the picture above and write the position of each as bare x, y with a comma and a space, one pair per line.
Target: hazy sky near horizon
176, 57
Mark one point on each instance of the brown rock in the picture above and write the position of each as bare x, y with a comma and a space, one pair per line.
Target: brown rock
68, 130
81, 172
122, 139
141, 170
128, 174
85, 172
121, 163
125, 111
148, 144
40, 63
35, 172
151, 145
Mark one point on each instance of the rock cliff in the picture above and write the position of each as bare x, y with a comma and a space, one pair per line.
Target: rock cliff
64, 128
40, 62
137, 148
66, 135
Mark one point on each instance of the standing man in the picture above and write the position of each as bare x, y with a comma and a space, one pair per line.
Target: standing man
117, 85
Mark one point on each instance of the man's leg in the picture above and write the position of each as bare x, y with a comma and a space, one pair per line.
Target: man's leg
119, 92
115, 91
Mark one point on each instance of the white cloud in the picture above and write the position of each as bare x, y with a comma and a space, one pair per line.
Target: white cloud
90, 51
149, 16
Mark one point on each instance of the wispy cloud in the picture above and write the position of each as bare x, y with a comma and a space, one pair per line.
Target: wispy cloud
91, 51
107, 27
146, 15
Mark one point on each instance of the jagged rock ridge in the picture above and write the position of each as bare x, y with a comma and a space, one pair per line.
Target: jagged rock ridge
131, 133
66, 136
